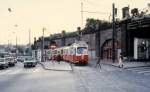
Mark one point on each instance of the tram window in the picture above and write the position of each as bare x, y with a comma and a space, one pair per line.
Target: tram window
71, 51
61, 51
55, 52
58, 52
81, 50
74, 51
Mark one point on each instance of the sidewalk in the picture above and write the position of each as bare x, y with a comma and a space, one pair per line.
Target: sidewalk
126, 64
53, 65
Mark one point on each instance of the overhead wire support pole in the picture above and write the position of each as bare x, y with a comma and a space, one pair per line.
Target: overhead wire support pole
43, 45
81, 18
16, 47
81, 15
30, 42
113, 33
30, 37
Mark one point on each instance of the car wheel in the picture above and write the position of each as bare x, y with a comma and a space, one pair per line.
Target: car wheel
13, 65
3, 67
25, 66
7, 66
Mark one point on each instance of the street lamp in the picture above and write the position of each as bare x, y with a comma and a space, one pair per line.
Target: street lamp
10, 10
16, 44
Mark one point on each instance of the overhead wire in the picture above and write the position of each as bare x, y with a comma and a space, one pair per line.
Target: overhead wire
93, 4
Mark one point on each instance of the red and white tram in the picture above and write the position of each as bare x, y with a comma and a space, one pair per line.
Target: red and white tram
76, 53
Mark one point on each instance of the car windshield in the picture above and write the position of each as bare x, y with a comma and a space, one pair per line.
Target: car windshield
29, 59
81, 50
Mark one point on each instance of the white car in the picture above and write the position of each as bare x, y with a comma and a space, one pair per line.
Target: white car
30, 62
3, 63
10, 60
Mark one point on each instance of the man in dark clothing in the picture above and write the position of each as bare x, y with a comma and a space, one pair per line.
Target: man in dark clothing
98, 62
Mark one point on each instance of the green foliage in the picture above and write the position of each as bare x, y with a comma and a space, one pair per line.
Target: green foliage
95, 24
91, 23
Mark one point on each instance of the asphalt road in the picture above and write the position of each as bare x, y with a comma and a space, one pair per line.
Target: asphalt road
20, 79
82, 79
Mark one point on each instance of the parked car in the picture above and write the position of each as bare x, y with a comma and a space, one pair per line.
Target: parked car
3, 63
20, 59
15, 60
10, 60
30, 62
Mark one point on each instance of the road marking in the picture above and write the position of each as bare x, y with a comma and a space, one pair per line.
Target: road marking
36, 70
5, 72
16, 71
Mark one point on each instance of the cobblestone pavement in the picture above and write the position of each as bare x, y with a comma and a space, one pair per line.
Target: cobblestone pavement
110, 79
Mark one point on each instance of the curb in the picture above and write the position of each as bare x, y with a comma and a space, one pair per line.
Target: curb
125, 67
92, 64
43, 66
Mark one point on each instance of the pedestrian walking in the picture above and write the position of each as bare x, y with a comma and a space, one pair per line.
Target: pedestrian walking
59, 58
98, 62
120, 59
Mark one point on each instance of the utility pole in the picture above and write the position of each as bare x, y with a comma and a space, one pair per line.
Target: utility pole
29, 37
81, 20
113, 33
81, 15
30, 42
16, 47
8, 47
43, 46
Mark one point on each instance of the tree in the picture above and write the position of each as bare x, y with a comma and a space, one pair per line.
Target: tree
95, 24
135, 12
91, 24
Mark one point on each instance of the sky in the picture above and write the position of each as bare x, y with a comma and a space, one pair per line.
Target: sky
54, 15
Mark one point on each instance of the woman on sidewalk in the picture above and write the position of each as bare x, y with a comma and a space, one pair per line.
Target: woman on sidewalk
120, 59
